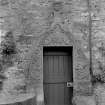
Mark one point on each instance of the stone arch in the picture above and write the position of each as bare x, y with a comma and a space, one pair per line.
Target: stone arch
56, 36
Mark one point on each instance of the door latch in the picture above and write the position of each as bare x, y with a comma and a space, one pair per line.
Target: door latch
69, 84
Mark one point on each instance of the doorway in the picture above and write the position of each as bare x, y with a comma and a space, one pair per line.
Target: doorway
58, 75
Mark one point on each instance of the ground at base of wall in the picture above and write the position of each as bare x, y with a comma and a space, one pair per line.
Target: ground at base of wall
84, 100
13, 99
98, 96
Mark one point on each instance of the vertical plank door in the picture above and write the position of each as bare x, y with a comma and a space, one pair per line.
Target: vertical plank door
57, 72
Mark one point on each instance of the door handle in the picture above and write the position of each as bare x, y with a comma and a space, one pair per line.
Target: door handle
69, 84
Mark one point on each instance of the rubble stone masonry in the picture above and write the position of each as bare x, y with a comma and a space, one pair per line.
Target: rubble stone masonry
37, 23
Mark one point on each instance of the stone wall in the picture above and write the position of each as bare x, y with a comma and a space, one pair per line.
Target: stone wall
98, 36
38, 23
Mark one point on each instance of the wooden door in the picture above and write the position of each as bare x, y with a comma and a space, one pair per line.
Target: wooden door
57, 72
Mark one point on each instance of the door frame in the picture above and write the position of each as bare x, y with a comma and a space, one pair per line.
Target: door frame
73, 61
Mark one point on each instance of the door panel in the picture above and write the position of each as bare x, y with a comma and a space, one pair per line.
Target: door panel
57, 72
54, 94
